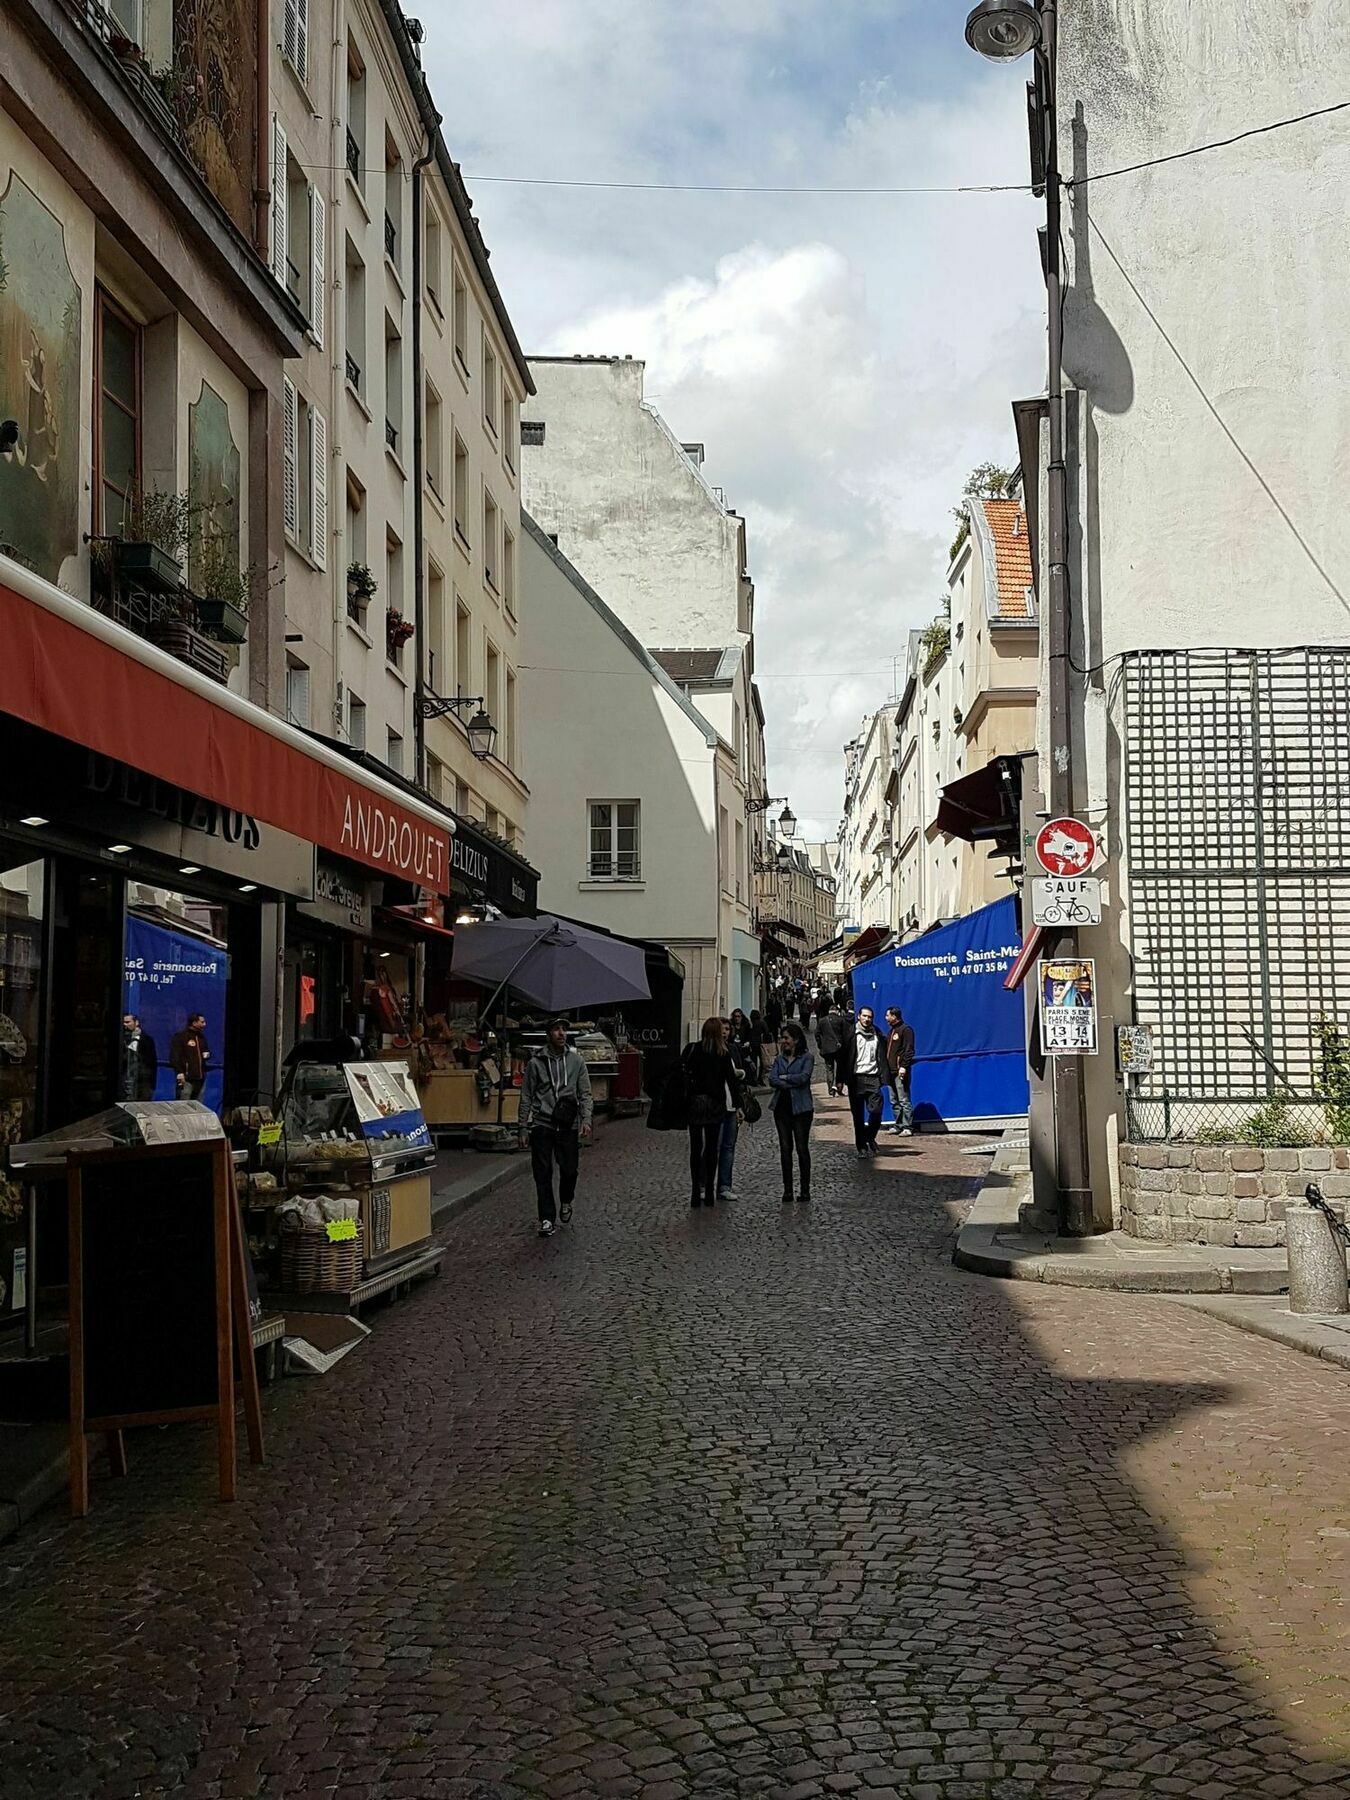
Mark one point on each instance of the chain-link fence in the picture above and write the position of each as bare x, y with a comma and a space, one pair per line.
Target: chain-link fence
1236, 771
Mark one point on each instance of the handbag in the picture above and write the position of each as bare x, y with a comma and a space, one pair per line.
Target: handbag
751, 1110
566, 1112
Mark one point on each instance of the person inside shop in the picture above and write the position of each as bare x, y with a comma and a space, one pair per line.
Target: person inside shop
899, 1067
189, 1057
140, 1060
793, 1107
859, 1070
830, 1028
714, 1088
556, 1110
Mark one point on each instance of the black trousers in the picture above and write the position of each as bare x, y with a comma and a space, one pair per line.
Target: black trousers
829, 1062
794, 1128
545, 1146
705, 1143
866, 1121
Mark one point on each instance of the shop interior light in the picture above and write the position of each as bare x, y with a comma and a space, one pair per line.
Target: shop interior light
33, 819
383, 955
248, 887
118, 849
191, 869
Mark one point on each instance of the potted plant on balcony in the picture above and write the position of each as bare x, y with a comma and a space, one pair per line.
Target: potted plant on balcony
223, 589
149, 548
397, 631
361, 590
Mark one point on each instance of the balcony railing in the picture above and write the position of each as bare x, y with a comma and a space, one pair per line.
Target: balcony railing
354, 158
153, 610
390, 239
354, 371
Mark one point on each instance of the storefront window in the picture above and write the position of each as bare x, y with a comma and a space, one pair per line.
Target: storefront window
22, 909
177, 983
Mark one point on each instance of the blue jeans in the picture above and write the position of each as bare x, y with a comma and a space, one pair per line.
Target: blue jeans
726, 1155
902, 1107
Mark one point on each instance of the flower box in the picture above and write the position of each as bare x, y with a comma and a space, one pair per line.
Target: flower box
222, 620
147, 563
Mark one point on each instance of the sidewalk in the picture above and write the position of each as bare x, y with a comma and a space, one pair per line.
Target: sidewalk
33, 1458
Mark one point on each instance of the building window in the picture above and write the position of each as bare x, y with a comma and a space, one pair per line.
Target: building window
461, 490
394, 752
509, 571
295, 40
356, 317
393, 386
492, 681
435, 442
463, 650
435, 777
531, 433
393, 201
510, 430
297, 694
438, 668
463, 799
356, 116
489, 385
490, 540
117, 436
393, 589
431, 258
510, 750
615, 840
305, 475
740, 860
356, 544
461, 319
356, 721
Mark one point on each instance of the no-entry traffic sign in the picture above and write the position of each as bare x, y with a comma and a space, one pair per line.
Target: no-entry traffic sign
1065, 847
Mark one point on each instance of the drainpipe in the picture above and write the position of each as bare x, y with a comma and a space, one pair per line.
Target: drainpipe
337, 456
262, 188
419, 453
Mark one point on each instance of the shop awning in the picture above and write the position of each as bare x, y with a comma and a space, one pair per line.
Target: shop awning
868, 943
70, 671
1031, 945
781, 928
984, 804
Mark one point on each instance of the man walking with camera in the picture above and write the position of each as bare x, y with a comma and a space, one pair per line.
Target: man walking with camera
556, 1109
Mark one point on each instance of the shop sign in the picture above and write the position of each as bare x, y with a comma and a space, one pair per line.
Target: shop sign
339, 899
391, 839
487, 872
170, 821
1069, 1006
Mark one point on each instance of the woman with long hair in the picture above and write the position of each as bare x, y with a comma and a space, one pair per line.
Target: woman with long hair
793, 1106
714, 1088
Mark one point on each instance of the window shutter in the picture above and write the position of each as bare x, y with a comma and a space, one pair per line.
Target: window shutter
297, 696
318, 290
318, 463
279, 200
290, 471
302, 38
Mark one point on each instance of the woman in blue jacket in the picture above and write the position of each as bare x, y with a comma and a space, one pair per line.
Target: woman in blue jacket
793, 1107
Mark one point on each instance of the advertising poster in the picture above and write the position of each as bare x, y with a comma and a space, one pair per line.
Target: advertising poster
1069, 1007
169, 976
386, 1102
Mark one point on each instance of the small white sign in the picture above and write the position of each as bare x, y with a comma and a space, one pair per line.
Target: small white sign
1066, 900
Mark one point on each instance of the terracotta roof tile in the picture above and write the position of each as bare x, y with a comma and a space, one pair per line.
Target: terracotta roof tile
1008, 526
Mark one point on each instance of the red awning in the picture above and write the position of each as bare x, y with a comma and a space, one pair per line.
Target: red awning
1031, 944
867, 943
70, 671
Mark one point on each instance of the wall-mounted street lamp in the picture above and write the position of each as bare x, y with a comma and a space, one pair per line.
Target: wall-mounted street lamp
762, 802
1003, 29
481, 732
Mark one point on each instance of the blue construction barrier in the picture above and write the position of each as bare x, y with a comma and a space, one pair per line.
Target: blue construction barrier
970, 1065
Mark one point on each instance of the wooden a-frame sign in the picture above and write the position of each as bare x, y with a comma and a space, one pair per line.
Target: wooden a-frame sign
159, 1315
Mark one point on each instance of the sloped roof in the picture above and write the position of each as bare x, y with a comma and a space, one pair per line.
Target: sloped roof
689, 665
1007, 521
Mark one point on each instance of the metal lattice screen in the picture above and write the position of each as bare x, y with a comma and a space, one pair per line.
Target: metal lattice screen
1237, 817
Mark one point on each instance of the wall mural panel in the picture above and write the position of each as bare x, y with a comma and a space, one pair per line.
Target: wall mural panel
216, 54
40, 314
213, 478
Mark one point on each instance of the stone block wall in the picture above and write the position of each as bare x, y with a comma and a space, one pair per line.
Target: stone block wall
1224, 1194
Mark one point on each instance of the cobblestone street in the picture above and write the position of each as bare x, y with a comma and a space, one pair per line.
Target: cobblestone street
765, 1500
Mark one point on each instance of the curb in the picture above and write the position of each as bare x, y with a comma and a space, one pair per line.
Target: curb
512, 1166
1311, 1333
991, 1243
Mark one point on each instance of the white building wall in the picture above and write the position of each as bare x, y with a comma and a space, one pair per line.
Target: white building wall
600, 723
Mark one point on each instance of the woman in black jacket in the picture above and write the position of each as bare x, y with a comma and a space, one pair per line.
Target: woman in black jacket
714, 1088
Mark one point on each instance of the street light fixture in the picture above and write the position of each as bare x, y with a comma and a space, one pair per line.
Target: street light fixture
481, 732
787, 821
1003, 30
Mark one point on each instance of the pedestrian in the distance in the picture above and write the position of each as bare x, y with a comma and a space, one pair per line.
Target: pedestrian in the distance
714, 1088
773, 1016
829, 1035
739, 1050
758, 1042
556, 1109
860, 1067
899, 1068
140, 1061
793, 1107
189, 1055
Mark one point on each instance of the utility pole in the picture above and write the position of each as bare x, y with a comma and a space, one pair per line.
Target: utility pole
1002, 30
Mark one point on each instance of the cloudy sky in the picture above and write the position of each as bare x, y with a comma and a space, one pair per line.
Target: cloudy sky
846, 359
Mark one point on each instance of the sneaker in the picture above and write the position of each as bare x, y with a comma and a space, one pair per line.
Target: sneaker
727, 1194
565, 1213
546, 1228
862, 1152
872, 1148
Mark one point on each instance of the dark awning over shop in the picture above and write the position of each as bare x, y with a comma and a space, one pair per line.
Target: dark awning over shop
868, 943
983, 806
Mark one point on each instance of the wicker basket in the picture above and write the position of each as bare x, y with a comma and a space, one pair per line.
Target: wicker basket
310, 1264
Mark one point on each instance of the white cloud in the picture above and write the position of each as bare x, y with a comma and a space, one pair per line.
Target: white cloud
845, 359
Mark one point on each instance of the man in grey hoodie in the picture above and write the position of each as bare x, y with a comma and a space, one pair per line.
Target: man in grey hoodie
556, 1109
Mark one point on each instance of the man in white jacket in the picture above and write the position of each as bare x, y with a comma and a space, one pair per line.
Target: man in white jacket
556, 1109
